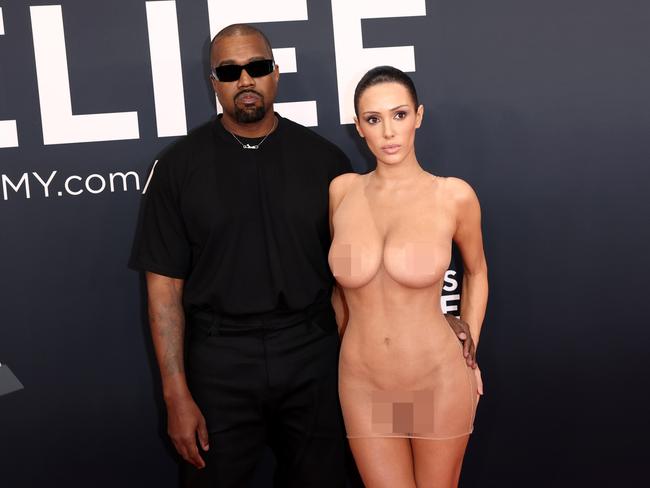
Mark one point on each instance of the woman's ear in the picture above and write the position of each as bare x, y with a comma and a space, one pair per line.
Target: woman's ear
418, 116
356, 124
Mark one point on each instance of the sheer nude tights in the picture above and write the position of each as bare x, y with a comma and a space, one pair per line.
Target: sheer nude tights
388, 462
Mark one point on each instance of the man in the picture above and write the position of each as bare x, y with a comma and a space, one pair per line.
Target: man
234, 238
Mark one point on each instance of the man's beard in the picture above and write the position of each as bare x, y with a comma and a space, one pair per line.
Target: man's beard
249, 115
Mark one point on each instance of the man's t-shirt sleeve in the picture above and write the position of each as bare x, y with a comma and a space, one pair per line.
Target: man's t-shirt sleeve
161, 244
341, 164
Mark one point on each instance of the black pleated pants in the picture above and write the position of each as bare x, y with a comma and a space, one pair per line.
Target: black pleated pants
268, 382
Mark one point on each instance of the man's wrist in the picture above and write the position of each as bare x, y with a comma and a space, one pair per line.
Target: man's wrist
175, 389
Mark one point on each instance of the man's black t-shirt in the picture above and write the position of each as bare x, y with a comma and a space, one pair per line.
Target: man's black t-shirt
246, 229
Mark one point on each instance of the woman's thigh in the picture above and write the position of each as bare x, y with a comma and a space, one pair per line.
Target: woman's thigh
384, 461
437, 463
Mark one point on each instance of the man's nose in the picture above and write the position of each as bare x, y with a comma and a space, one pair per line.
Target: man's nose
245, 79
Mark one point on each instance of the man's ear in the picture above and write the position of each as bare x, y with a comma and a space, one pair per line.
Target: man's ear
214, 82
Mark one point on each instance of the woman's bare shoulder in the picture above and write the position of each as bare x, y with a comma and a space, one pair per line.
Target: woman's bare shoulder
340, 185
458, 191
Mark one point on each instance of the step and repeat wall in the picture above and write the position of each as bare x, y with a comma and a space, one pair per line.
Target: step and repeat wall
542, 107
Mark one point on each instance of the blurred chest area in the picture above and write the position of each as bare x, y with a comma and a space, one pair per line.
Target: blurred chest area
409, 244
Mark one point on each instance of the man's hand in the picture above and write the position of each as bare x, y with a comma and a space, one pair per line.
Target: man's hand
461, 329
184, 419
184, 423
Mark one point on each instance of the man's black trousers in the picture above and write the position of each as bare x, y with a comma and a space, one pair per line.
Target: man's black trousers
268, 382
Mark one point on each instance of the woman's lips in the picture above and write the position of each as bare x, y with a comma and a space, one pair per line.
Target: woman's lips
391, 148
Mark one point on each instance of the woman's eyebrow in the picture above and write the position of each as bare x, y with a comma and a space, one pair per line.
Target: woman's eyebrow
391, 110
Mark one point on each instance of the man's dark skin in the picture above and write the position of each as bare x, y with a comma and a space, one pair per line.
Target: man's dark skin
241, 101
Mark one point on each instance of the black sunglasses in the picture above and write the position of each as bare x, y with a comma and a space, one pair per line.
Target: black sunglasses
232, 72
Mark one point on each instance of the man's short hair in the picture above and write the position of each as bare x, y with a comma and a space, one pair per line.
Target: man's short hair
240, 30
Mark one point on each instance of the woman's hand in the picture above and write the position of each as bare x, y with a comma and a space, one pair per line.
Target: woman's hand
479, 381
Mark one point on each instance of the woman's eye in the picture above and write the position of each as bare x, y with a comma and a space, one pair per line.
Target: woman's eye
372, 120
400, 115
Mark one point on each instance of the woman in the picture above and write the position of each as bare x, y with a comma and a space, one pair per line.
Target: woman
407, 395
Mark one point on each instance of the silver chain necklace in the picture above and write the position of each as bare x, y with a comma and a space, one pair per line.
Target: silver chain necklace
256, 146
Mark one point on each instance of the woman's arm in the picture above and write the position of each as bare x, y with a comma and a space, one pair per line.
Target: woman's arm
469, 239
337, 190
340, 309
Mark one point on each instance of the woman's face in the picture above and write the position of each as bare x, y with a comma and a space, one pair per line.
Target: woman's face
388, 120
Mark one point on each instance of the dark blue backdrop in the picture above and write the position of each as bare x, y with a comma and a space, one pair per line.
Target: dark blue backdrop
542, 106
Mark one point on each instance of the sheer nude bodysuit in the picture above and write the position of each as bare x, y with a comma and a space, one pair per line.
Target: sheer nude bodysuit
401, 372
